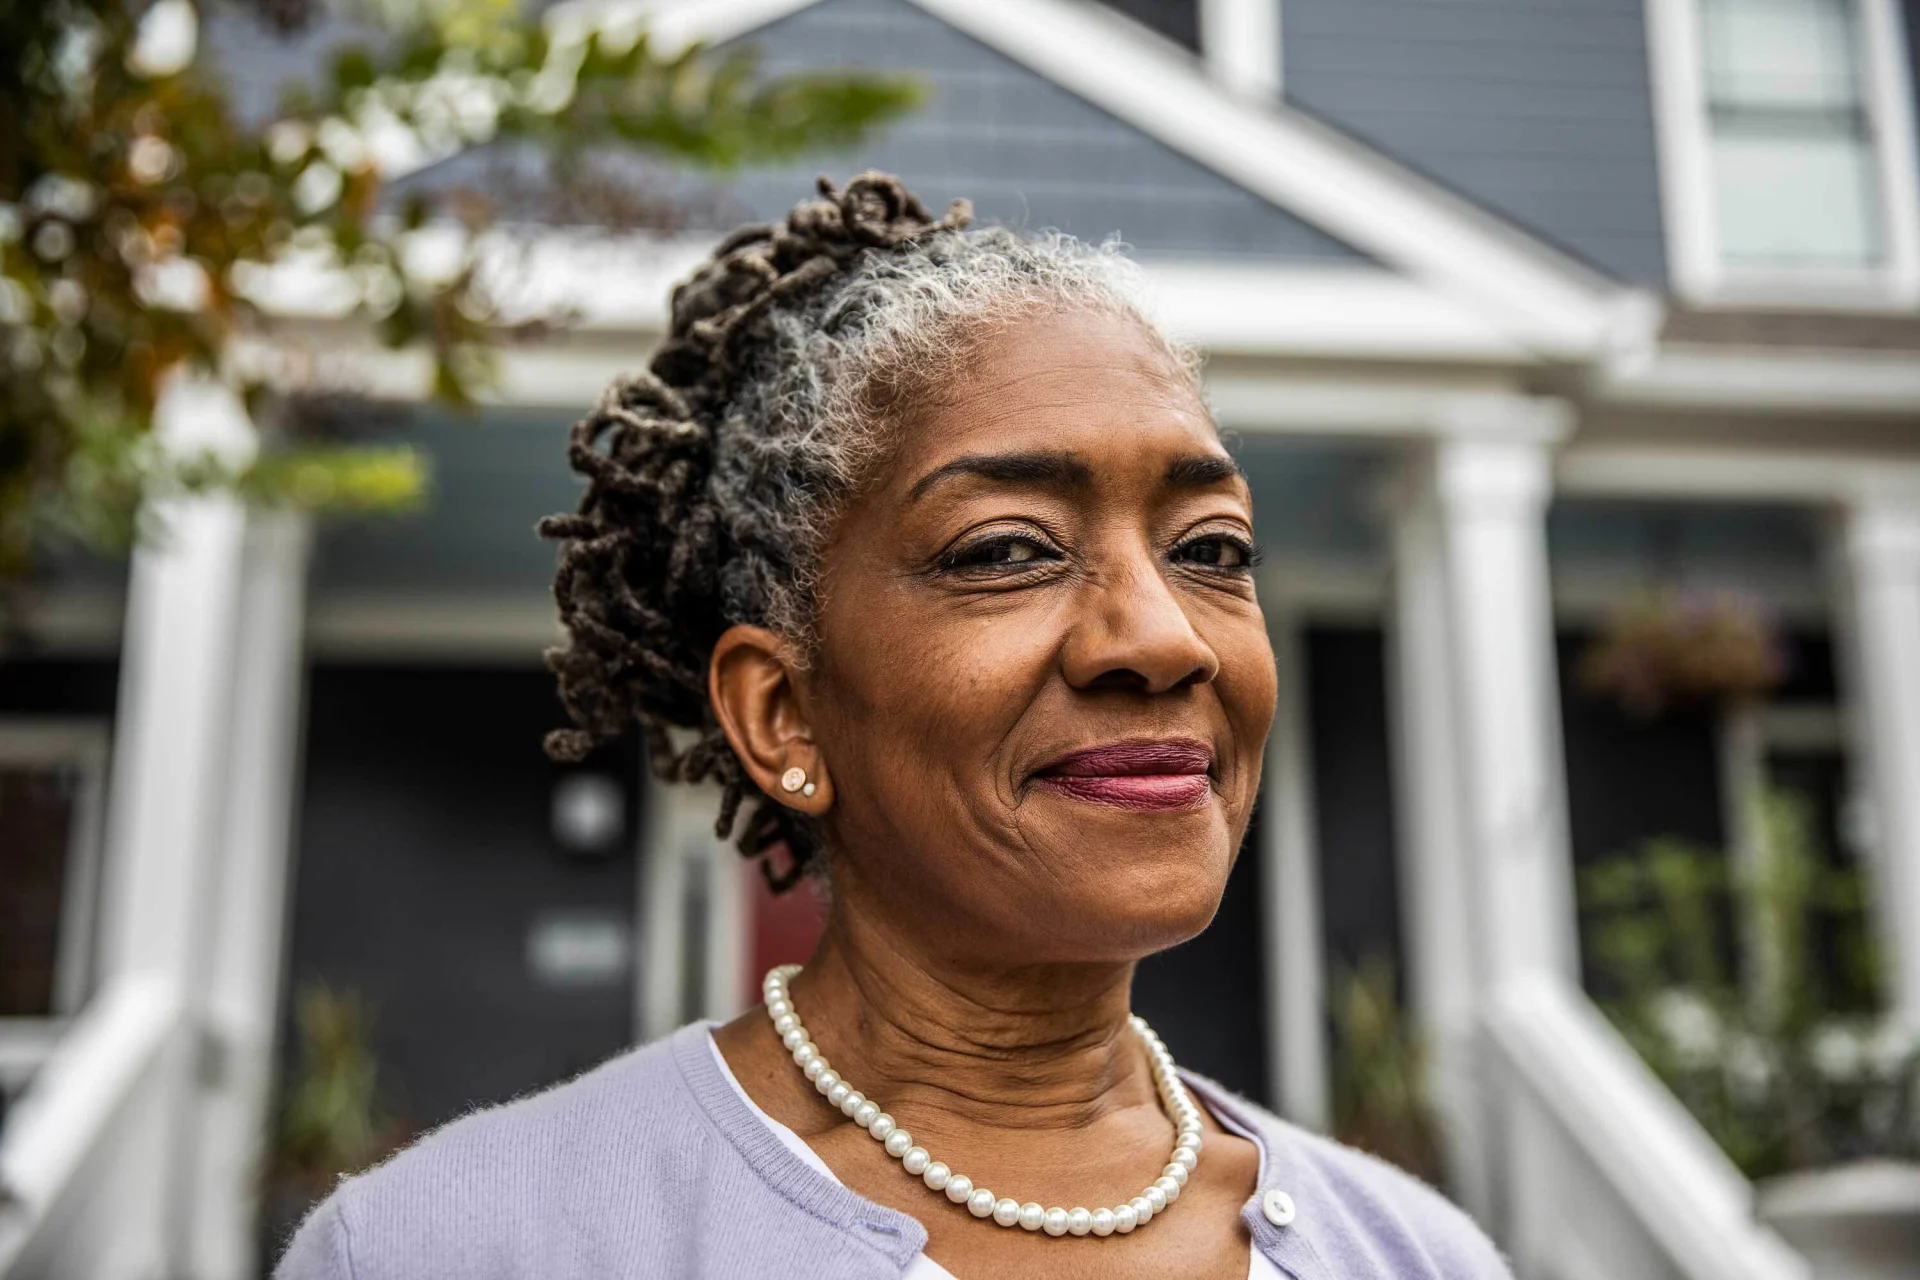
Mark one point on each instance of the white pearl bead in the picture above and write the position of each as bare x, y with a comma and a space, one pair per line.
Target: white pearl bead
1032, 1215
1168, 1188
980, 1203
785, 1023
936, 1176
1079, 1222
1103, 1223
899, 1142
1190, 1140
839, 1094
1006, 1212
778, 1009
814, 1067
824, 1082
1054, 1221
1184, 1157
882, 1126
915, 1161
1124, 1218
793, 1039
1156, 1198
863, 1115
959, 1187
852, 1102
1178, 1172
807, 1052
1143, 1209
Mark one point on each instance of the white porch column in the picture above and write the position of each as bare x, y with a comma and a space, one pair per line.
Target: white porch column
165, 817
1485, 875
247, 906
1880, 548
1290, 876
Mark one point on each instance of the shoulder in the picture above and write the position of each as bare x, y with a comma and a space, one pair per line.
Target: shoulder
1362, 1215
1391, 1213
539, 1177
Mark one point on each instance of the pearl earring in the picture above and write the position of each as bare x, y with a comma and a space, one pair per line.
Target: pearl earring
795, 779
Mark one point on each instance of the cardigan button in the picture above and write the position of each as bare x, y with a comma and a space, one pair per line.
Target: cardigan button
1278, 1206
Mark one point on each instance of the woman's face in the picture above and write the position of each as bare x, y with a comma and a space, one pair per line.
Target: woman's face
1043, 682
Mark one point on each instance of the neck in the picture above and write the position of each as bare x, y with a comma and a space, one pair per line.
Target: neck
1012, 1047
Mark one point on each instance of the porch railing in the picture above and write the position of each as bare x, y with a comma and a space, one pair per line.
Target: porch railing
86, 1151
1608, 1175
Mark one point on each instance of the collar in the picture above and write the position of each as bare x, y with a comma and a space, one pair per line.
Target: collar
899, 1237
1283, 1168
888, 1232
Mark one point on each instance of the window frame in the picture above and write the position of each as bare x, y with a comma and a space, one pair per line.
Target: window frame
84, 743
1696, 270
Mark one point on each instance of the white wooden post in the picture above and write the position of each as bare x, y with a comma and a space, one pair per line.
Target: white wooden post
1485, 874
1880, 547
166, 812
247, 905
1240, 41
695, 910
1290, 874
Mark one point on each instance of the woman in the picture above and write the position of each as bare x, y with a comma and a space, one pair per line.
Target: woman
921, 542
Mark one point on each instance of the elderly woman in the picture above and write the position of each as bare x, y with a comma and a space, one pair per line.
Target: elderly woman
921, 542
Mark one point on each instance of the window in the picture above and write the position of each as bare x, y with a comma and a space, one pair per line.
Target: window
1787, 156
1795, 172
51, 775
1178, 20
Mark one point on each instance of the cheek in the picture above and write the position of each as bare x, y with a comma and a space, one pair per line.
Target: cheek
1248, 689
927, 691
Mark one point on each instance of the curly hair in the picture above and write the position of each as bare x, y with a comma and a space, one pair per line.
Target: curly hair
713, 477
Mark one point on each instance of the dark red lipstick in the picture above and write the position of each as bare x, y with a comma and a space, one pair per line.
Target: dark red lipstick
1146, 775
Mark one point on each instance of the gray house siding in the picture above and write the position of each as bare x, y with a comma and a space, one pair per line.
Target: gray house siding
1026, 151
1541, 110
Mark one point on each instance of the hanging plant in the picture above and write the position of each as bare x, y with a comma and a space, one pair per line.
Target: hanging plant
1681, 648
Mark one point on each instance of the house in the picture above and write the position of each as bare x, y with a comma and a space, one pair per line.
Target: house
1512, 310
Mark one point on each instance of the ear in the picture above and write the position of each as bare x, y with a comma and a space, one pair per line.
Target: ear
752, 689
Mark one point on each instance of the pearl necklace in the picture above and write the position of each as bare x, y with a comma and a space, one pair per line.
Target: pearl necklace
959, 1188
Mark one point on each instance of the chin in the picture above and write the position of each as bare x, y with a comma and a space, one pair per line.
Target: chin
1145, 883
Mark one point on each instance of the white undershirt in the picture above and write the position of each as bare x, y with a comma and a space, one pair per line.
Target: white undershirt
922, 1267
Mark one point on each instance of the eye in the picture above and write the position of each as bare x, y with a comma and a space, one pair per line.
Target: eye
1218, 551
1001, 551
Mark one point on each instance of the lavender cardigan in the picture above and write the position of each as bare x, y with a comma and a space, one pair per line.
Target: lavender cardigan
652, 1166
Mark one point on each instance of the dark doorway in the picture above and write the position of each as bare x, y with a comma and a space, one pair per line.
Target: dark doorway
1208, 998
477, 897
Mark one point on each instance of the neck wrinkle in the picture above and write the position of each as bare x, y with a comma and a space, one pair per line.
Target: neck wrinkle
1020, 1047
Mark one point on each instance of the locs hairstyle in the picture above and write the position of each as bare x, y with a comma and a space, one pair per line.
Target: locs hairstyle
713, 477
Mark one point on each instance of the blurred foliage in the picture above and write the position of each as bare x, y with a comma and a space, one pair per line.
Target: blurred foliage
1380, 1101
1754, 995
140, 214
1684, 648
332, 1122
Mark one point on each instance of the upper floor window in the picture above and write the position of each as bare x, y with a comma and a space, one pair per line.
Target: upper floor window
1796, 178
1178, 20
1787, 151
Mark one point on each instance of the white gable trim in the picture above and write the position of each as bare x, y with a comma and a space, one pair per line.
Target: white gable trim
617, 288
1543, 299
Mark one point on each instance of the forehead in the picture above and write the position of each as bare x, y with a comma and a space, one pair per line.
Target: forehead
1100, 386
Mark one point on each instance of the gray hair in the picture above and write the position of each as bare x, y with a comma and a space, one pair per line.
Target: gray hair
714, 477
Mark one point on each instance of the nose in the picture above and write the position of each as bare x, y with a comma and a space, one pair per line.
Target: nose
1134, 633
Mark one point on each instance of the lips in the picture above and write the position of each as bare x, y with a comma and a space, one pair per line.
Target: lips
1145, 776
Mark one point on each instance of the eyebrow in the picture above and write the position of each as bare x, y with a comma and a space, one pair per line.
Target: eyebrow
1056, 470
1201, 470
